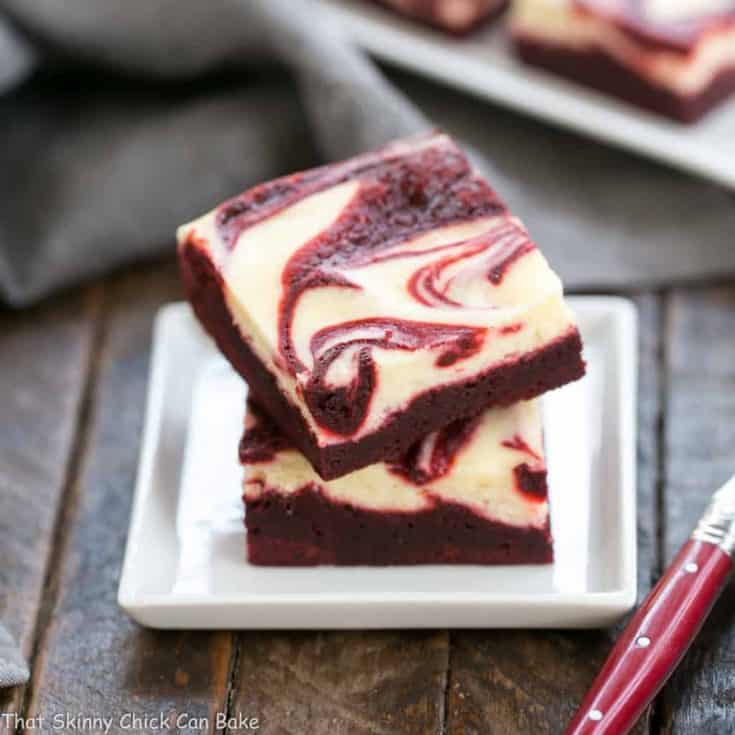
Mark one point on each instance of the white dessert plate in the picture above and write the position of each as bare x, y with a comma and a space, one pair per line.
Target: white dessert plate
483, 64
185, 564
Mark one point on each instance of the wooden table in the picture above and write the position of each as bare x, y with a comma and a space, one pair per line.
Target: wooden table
73, 377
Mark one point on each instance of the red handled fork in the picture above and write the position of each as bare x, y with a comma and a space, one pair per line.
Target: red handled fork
660, 632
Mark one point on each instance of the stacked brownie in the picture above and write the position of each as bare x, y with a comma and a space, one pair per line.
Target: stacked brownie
394, 323
672, 57
675, 57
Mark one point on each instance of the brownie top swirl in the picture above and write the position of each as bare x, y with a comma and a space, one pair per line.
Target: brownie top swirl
366, 283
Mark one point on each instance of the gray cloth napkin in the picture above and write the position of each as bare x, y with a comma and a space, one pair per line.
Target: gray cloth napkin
13, 669
121, 120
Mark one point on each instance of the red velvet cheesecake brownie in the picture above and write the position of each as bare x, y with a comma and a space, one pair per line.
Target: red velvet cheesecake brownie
674, 57
472, 493
453, 16
370, 302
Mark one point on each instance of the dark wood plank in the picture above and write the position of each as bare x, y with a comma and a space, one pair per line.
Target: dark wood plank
93, 660
346, 683
504, 682
700, 456
44, 366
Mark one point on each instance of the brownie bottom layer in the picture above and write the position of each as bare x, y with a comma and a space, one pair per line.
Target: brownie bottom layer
554, 365
306, 529
596, 69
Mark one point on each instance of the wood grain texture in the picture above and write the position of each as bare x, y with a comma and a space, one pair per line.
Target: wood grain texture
700, 456
44, 366
93, 660
508, 682
343, 683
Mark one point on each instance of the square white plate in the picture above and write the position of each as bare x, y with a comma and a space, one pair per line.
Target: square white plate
484, 64
185, 563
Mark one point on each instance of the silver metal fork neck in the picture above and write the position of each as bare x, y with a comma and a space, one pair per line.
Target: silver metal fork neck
717, 525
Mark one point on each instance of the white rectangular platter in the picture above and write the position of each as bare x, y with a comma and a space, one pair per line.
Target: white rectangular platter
185, 564
483, 64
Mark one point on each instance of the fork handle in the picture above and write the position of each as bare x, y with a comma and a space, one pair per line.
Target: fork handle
654, 641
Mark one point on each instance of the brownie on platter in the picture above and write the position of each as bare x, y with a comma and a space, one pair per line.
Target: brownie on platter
370, 302
457, 17
474, 493
674, 57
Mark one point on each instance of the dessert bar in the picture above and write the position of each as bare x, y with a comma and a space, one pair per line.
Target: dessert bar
676, 58
474, 492
373, 301
457, 17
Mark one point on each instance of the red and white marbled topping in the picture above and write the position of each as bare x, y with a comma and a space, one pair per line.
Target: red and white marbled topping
493, 465
364, 284
680, 45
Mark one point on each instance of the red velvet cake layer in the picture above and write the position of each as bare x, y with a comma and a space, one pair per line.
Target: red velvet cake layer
603, 73
306, 529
